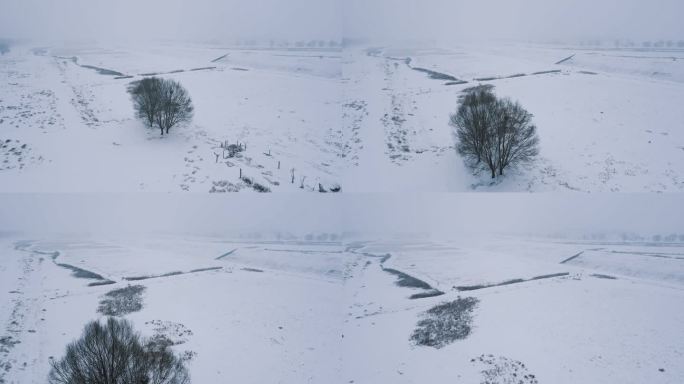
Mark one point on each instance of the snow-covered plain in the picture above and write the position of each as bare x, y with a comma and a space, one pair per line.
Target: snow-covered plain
253, 311
366, 119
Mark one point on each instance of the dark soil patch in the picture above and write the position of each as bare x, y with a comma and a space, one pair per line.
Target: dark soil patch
445, 323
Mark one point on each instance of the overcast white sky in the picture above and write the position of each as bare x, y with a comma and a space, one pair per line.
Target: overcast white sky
171, 19
517, 19
326, 19
443, 215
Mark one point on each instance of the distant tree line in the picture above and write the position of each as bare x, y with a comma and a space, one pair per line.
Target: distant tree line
279, 43
623, 43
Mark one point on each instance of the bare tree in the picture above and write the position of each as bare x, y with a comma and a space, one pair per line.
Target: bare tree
494, 133
146, 95
163, 102
472, 121
516, 135
112, 353
176, 105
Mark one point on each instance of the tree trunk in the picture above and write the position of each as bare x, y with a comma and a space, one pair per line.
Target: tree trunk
493, 173
162, 131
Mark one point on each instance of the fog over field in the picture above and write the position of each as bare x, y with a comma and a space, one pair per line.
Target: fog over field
444, 216
130, 20
535, 20
327, 19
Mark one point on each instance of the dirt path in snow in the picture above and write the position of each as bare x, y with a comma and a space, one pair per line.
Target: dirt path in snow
25, 317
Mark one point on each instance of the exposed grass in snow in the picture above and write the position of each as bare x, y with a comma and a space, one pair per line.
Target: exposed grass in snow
122, 301
445, 323
502, 370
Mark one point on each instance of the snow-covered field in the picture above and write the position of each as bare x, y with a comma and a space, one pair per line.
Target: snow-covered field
81, 135
364, 119
608, 120
333, 312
